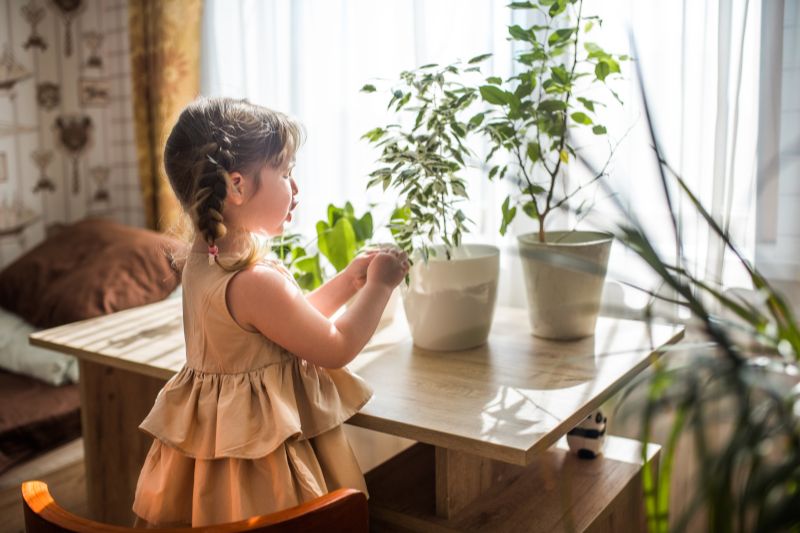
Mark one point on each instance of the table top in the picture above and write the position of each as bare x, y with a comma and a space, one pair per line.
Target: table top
508, 400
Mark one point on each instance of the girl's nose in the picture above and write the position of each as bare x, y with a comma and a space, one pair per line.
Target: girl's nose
295, 190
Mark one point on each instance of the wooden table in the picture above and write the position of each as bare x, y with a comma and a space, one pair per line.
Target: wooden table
507, 401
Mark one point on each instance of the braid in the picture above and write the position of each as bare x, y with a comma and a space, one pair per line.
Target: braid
213, 184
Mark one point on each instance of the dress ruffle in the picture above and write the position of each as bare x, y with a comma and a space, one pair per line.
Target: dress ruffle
248, 415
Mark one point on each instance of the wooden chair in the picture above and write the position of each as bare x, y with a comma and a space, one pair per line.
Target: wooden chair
343, 510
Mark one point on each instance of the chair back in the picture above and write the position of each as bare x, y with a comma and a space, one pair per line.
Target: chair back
342, 510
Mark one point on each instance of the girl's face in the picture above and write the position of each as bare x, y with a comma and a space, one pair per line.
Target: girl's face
270, 207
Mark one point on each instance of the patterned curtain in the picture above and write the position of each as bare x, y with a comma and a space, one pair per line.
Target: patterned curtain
165, 70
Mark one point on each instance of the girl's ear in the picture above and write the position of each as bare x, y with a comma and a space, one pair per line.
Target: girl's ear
236, 197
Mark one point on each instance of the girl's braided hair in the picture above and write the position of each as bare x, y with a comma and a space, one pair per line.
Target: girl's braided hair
214, 137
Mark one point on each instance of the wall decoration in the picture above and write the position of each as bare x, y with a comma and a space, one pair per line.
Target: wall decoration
100, 175
3, 167
11, 72
33, 15
48, 95
15, 217
68, 10
8, 129
74, 138
94, 40
94, 92
42, 158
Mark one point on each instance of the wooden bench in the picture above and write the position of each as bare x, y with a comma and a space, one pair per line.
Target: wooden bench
558, 492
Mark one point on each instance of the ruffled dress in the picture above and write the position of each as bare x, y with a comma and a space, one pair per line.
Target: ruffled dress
245, 428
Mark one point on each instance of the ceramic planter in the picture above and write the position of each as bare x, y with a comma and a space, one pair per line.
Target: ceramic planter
564, 281
450, 304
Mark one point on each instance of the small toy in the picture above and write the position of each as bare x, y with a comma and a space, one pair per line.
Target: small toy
586, 440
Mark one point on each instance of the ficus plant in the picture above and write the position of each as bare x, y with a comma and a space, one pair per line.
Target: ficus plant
530, 114
422, 160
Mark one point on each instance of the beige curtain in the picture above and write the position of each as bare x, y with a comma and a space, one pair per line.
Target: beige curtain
165, 69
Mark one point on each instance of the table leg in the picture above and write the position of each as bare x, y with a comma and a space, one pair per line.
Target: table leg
460, 478
113, 404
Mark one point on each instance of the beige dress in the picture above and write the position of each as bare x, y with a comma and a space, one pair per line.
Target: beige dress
245, 428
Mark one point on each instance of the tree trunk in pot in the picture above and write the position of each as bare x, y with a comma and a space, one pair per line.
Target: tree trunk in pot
564, 281
450, 303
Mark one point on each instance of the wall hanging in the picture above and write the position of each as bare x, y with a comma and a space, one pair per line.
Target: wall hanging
68, 10
94, 93
33, 15
74, 138
100, 176
48, 95
3, 167
94, 40
42, 158
11, 72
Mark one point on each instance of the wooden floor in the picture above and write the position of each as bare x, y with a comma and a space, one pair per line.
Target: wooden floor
63, 471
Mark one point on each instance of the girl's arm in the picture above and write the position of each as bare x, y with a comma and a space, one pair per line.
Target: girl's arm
336, 292
261, 299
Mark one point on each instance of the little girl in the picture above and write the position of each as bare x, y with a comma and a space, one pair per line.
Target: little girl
252, 423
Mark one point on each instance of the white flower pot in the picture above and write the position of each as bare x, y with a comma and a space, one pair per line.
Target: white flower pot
564, 281
450, 304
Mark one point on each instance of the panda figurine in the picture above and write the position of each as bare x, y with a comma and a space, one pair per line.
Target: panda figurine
586, 440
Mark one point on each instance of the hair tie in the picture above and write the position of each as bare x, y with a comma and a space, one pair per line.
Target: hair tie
212, 254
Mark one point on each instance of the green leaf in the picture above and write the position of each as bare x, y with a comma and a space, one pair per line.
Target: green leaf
374, 135
534, 189
429, 65
362, 227
477, 119
495, 95
478, 59
338, 243
581, 118
334, 214
552, 105
533, 152
493, 171
563, 156
520, 34
458, 189
530, 210
309, 273
368, 88
522, 5
558, 7
599, 130
560, 36
588, 104
494, 80
508, 215
604, 67
589, 26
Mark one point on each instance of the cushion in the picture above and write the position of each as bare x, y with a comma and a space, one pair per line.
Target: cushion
91, 268
35, 417
17, 355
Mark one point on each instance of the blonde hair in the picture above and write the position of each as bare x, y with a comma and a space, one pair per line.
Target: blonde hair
214, 137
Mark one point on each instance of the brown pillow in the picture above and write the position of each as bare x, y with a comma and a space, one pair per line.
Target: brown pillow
91, 268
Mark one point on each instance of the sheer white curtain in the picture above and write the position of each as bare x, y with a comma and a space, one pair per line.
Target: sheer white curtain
700, 64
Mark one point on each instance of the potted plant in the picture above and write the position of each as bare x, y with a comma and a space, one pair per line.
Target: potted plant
730, 396
451, 290
339, 239
529, 119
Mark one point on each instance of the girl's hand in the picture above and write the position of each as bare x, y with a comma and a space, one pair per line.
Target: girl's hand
357, 269
389, 267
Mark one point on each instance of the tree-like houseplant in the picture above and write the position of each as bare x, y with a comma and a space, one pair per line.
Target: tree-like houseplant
529, 119
452, 287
